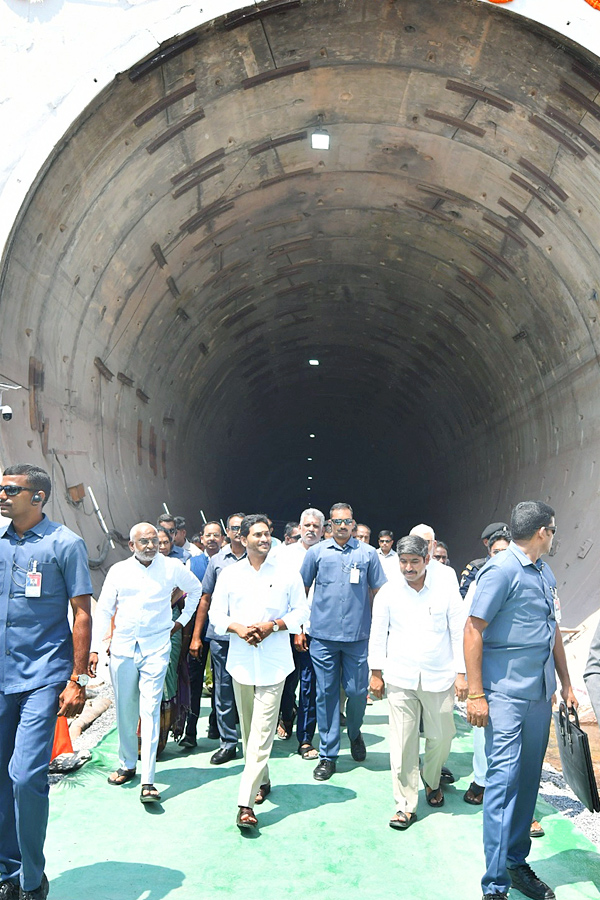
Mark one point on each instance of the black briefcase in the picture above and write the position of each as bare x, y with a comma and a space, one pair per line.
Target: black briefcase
575, 757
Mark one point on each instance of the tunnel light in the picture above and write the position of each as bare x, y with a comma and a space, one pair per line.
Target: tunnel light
309, 477
309, 458
311, 435
319, 139
313, 362
308, 489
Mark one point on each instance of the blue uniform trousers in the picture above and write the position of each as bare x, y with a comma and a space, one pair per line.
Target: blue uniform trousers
27, 723
303, 674
515, 743
225, 707
334, 661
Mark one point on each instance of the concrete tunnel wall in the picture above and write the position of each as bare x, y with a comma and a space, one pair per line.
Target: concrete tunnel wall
184, 251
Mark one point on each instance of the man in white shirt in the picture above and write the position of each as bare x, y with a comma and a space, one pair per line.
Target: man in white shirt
137, 591
442, 571
257, 601
387, 555
416, 646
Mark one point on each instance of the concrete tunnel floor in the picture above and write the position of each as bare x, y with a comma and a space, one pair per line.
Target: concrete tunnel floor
316, 840
184, 253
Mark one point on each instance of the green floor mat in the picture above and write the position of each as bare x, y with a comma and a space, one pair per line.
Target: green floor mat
326, 841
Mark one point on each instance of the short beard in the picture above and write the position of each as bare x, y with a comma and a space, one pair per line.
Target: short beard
144, 555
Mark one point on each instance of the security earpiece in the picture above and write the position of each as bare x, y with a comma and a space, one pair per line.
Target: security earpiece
36, 498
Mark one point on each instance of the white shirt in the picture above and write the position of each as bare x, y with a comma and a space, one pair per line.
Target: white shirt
390, 564
191, 548
446, 573
418, 634
141, 597
247, 596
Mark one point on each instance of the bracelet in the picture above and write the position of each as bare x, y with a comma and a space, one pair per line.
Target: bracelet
475, 696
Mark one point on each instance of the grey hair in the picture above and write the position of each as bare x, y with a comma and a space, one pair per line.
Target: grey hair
316, 513
412, 545
139, 525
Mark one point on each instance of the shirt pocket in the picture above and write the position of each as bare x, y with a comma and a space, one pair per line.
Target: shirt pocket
439, 621
53, 583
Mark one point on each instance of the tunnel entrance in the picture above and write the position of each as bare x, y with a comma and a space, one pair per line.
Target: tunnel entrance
185, 253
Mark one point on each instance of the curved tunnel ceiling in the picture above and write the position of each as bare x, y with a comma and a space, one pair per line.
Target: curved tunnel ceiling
185, 252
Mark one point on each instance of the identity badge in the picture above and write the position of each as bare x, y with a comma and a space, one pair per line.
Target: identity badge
354, 575
33, 584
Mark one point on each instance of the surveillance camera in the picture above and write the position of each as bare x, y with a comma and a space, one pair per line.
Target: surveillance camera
7, 413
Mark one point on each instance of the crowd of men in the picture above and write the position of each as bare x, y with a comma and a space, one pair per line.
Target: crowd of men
298, 631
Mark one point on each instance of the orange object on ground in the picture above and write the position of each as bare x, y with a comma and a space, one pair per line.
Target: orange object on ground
62, 738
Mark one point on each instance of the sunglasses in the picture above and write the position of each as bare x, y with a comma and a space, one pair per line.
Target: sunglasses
342, 521
13, 490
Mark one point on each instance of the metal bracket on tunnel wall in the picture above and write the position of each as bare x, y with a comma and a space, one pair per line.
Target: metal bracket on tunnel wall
36, 416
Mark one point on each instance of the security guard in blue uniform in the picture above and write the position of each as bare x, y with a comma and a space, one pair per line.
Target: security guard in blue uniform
512, 649
43, 667
470, 571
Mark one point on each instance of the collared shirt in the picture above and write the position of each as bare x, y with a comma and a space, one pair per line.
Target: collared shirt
517, 599
248, 596
418, 635
341, 607
389, 563
180, 553
36, 647
221, 560
192, 549
141, 597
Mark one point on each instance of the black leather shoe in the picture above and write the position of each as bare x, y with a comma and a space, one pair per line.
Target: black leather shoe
213, 733
188, 742
223, 755
39, 894
525, 880
500, 895
324, 770
358, 749
9, 890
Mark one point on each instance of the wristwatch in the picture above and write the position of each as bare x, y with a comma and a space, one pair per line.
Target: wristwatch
275, 626
81, 680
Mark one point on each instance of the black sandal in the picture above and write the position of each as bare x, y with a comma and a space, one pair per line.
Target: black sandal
123, 776
149, 794
307, 751
402, 820
474, 794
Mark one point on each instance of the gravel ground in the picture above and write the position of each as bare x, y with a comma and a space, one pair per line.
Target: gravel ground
553, 788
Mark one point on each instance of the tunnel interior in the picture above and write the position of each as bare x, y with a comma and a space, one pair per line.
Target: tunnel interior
185, 252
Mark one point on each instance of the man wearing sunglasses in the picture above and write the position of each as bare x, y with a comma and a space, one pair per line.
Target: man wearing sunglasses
43, 667
346, 574
513, 650
225, 708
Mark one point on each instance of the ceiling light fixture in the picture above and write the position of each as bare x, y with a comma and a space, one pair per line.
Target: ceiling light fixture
319, 139
311, 435
313, 362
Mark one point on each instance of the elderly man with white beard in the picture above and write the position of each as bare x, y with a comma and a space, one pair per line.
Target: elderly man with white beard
137, 592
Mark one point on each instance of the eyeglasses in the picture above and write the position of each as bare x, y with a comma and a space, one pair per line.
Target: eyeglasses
170, 530
234, 527
145, 541
551, 528
294, 537
342, 521
13, 490
385, 540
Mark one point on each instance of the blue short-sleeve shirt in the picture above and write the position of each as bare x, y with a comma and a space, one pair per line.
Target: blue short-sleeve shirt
36, 646
225, 557
517, 599
341, 609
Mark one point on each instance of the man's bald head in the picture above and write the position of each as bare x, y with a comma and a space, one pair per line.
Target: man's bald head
143, 542
137, 530
427, 533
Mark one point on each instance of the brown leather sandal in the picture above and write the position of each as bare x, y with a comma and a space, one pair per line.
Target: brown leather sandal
262, 793
246, 818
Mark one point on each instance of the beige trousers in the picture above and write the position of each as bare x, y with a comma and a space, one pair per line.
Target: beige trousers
258, 709
406, 708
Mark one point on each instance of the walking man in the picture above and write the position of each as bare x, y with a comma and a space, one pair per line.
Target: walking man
512, 649
346, 575
137, 592
43, 667
257, 601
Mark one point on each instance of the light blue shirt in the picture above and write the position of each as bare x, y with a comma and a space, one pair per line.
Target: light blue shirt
341, 609
517, 599
36, 646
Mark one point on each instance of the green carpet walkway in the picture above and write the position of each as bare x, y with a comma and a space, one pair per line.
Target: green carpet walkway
324, 841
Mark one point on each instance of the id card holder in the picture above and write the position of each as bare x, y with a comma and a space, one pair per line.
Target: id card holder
33, 584
354, 575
